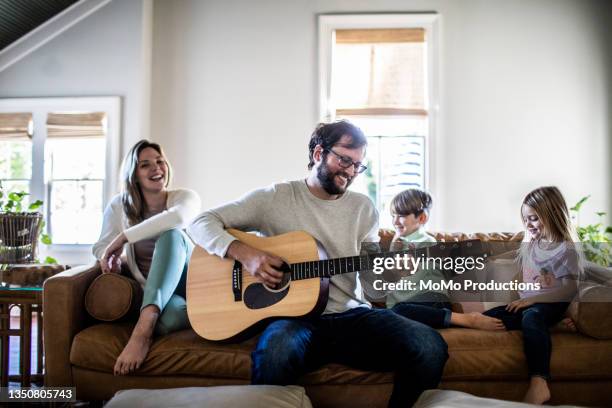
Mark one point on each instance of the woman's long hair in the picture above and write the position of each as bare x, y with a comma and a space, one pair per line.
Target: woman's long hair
134, 205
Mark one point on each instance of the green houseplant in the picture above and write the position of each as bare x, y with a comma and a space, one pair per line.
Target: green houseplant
596, 238
21, 228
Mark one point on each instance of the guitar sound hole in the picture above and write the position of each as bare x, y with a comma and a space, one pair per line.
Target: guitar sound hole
258, 295
286, 269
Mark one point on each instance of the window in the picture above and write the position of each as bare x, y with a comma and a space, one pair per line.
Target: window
378, 72
16, 151
75, 164
67, 156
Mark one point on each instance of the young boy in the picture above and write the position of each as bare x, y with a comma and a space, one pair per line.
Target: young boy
410, 212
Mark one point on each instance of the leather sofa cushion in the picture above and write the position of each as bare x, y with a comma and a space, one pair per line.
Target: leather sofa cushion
386, 235
492, 355
111, 297
179, 353
495, 242
593, 310
474, 355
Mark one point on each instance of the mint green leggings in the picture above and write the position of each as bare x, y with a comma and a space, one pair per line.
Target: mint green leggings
166, 282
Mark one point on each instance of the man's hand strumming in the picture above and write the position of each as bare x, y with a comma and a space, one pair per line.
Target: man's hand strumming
258, 263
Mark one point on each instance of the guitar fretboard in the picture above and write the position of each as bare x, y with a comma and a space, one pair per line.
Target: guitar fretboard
329, 267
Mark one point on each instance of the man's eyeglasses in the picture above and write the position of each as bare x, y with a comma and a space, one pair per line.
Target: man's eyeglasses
346, 162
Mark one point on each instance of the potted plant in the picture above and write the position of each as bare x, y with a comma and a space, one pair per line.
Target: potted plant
20, 229
596, 239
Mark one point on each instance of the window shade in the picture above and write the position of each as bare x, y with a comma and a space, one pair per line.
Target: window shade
380, 35
16, 126
67, 125
379, 72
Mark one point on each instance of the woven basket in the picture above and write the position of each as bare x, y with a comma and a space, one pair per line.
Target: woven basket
19, 237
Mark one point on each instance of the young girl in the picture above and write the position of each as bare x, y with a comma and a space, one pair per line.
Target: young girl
146, 219
548, 257
410, 212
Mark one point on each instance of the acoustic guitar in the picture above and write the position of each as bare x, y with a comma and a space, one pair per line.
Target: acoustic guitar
225, 302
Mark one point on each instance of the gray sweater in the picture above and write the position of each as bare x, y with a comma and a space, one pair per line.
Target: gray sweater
340, 225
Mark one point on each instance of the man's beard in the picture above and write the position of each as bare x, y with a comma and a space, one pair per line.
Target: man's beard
326, 178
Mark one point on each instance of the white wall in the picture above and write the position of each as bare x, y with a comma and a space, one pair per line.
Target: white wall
525, 91
103, 55
106, 54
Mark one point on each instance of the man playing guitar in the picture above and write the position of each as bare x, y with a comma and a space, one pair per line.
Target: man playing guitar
349, 331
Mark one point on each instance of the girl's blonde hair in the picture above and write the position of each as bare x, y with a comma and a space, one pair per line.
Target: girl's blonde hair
549, 204
134, 205
551, 209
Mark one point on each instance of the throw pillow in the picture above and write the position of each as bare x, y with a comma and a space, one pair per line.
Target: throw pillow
112, 297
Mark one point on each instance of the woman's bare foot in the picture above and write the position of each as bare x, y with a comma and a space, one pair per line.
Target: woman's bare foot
137, 348
538, 392
477, 320
568, 324
132, 355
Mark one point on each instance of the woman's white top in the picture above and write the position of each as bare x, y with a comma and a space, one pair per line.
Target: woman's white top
182, 207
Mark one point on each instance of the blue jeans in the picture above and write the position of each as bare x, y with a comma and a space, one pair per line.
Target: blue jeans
363, 338
434, 310
534, 321
166, 281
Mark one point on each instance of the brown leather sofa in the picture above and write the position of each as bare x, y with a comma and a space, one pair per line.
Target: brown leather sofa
81, 352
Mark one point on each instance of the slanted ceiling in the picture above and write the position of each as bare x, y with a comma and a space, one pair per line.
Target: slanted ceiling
18, 17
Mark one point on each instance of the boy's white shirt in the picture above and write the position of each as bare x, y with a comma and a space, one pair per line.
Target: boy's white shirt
418, 236
404, 296
182, 206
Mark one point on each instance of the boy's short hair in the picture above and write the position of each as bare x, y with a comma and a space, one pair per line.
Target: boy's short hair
411, 201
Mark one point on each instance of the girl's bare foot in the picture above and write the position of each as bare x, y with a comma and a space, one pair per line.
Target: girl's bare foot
138, 346
477, 320
538, 392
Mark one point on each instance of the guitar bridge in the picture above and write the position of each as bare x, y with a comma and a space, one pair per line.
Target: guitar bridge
237, 281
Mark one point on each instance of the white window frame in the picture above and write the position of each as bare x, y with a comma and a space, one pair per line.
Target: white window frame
428, 21
40, 107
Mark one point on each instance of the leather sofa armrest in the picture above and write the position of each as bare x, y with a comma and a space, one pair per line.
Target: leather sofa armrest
64, 316
597, 274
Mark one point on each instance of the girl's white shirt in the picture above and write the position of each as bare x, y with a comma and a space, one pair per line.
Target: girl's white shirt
182, 206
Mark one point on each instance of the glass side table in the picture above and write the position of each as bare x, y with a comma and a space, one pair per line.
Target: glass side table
21, 287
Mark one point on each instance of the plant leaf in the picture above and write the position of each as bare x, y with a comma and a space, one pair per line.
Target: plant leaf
17, 196
579, 203
36, 204
601, 213
50, 260
45, 239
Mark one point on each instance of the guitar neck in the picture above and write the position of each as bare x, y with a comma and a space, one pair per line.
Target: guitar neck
330, 267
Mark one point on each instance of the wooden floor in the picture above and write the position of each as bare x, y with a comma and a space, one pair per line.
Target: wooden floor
14, 368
